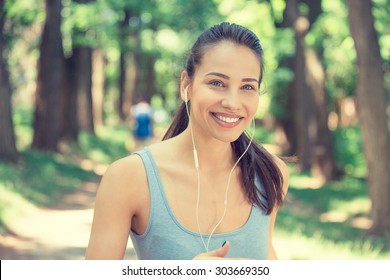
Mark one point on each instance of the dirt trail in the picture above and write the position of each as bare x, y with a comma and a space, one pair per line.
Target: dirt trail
60, 234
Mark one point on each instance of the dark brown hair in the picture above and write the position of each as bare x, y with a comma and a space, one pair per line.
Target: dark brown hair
257, 162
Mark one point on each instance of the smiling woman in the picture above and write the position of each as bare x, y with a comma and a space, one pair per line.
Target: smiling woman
208, 190
225, 89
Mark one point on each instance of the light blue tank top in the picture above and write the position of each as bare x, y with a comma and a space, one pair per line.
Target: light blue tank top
165, 238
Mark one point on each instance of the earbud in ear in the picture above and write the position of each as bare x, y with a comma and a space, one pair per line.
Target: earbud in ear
186, 95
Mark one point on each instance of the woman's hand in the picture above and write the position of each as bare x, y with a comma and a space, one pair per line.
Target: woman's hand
218, 254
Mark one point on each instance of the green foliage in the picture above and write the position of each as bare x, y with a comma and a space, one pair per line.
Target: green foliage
339, 49
381, 12
349, 151
23, 127
21, 29
24, 12
108, 145
167, 32
168, 29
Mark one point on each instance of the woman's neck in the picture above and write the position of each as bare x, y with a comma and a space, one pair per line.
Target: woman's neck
212, 153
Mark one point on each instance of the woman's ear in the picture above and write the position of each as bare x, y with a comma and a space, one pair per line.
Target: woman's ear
184, 85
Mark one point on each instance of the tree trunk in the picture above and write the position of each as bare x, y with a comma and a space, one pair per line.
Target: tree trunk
82, 62
304, 120
47, 96
7, 134
371, 106
126, 83
98, 86
150, 78
70, 126
138, 63
323, 162
306, 123
295, 122
82, 67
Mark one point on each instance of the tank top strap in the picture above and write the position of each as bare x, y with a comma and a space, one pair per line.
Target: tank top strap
158, 208
151, 170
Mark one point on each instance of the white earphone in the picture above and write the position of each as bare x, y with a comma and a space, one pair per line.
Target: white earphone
192, 133
196, 161
186, 95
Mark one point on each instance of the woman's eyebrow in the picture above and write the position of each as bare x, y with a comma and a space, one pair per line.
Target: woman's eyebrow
250, 80
227, 77
218, 74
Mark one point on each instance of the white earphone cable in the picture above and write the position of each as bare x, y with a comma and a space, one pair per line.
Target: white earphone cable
196, 161
206, 246
225, 202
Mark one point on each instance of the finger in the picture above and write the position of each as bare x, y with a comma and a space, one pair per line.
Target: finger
220, 252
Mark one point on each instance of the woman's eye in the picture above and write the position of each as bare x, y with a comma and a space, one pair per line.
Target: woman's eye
216, 83
248, 87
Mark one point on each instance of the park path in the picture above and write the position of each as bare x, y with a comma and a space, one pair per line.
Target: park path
54, 234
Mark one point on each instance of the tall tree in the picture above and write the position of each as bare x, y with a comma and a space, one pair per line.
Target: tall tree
372, 103
323, 163
306, 118
69, 119
82, 63
127, 62
98, 86
47, 95
7, 135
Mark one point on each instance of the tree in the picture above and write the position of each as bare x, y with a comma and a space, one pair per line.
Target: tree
82, 63
7, 135
306, 115
371, 104
47, 95
76, 95
69, 121
128, 65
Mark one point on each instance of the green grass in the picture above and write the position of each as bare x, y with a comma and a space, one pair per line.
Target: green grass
43, 177
39, 179
109, 144
330, 221
327, 222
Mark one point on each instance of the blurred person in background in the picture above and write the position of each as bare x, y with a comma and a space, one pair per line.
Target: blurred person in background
141, 119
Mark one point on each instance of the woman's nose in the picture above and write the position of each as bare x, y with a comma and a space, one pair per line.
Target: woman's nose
231, 101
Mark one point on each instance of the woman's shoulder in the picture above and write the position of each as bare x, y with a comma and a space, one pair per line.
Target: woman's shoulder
125, 167
125, 176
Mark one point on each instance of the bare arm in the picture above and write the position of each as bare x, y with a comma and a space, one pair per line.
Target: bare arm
115, 207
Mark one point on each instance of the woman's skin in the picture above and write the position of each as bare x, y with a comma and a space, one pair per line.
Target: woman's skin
224, 98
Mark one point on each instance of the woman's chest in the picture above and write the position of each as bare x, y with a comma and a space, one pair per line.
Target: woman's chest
210, 202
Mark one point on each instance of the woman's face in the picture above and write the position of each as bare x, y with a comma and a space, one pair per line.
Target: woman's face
224, 91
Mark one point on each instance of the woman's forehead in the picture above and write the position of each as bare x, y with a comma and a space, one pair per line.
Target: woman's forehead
230, 59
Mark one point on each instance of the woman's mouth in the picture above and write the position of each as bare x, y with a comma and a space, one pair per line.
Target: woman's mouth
227, 120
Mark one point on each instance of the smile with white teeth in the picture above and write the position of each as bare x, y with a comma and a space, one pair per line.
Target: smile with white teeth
226, 119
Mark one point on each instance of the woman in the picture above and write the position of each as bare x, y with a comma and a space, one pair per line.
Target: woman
206, 191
